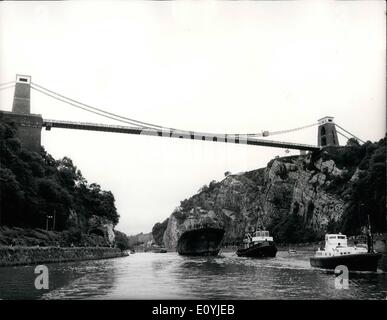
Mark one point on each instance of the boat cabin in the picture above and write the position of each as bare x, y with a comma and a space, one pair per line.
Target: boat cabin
336, 245
256, 237
261, 236
335, 240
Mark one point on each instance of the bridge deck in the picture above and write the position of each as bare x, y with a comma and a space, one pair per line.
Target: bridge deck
226, 138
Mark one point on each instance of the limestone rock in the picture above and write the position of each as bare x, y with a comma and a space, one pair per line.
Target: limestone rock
109, 227
328, 167
356, 175
288, 185
101, 226
179, 222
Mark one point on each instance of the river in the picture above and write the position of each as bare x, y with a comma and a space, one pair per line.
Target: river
170, 276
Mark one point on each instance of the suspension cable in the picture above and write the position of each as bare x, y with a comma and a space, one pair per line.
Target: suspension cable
349, 133
95, 112
7, 87
100, 110
6, 83
142, 124
342, 134
272, 133
138, 123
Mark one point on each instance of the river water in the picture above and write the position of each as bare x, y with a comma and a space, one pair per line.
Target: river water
170, 276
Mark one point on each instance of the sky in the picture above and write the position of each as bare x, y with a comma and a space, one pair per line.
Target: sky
206, 66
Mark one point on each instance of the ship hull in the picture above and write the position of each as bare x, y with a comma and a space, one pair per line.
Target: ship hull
200, 242
159, 251
354, 262
260, 250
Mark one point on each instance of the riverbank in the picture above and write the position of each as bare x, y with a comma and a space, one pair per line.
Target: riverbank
17, 255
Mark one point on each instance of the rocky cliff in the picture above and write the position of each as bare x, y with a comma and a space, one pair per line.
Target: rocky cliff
298, 198
40, 193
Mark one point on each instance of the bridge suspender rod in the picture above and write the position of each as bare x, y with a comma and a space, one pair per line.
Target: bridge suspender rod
174, 134
272, 133
73, 104
137, 122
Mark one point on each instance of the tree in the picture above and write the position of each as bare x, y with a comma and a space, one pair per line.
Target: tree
35, 185
353, 142
121, 240
203, 189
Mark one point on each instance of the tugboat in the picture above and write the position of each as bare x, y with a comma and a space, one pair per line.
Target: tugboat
201, 241
159, 250
291, 251
155, 249
337, 252
258, 245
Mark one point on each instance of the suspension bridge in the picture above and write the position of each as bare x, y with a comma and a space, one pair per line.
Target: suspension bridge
30, 125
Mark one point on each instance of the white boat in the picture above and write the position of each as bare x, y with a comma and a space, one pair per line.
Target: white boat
337, 252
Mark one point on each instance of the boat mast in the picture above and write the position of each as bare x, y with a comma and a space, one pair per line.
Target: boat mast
370, 241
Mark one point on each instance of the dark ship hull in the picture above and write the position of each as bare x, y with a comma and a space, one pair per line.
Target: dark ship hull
260, 250
354, 262
159, 250
155, 250
200, 242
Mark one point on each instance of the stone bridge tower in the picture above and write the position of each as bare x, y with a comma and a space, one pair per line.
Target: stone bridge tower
21, 98
327, 134
29, 126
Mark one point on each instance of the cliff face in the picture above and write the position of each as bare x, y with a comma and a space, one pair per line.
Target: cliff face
100, 226
297, 198
158, 232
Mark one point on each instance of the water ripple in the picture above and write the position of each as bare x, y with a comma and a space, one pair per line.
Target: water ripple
170, 276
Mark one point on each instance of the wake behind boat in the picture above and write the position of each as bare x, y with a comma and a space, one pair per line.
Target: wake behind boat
258, 245
337, 252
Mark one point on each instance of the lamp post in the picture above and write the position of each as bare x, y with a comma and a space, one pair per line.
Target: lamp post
370, 240
53, 225
47, 217
360, 211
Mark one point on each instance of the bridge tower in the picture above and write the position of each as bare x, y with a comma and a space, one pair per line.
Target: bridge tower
327, 134
21, 98
29, 126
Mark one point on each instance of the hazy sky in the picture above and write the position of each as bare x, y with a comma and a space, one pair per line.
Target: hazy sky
206, 66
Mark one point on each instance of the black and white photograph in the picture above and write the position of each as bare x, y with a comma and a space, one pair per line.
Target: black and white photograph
193, 151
